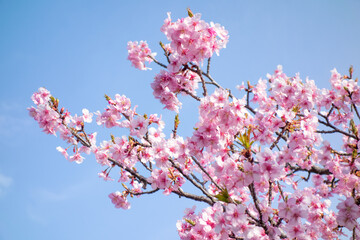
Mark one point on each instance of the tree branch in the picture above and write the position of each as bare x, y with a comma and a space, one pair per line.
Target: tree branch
207, 174
181, 193
157, 62
328, 124
202, 189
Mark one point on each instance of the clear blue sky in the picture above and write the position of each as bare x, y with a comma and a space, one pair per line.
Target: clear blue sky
77, 49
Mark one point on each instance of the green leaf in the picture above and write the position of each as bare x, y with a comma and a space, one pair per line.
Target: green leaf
353, 127
351, 70
245, 139
190, 221
190, 12
223, 196
237, 201
354, 154
177, 121
52, 99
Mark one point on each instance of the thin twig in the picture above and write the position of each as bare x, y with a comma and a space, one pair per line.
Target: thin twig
142, 193
326, 132
352, 104
356, 111
144, 164
281, 191
198, 180
340, 153
181, 193
313, 169
256, 203
199, 72
270, 193
207, 174
208, 66
88, 144
157, 62
202, 189
248, 101
131, 171
328, 124
190, 94
279, 137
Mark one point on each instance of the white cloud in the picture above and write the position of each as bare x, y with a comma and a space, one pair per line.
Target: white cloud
5, 182
11, 125
42, 198
13, 118
34, 215
58, 194
10, 106
51, 196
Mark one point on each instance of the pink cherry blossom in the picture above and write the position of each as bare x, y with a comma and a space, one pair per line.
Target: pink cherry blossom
139, 52
63, 152
76, 158
119, 200
349, 212
262, 162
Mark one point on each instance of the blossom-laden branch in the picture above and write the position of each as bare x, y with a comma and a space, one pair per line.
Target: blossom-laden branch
245, 156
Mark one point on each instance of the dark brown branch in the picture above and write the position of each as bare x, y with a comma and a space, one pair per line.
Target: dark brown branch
330, 111
165, 52
144, 164
190, 94
270, 193
142, 193
281, 191
328, 124
202, 189
181, 193
157, 62
198, 180
326, 132
251, 216
256, 203
213, 82
131, 171
207, 174
356, 110
313, 169
340, 153
280, 135
352, 104
208, 66
248, 100
199, 72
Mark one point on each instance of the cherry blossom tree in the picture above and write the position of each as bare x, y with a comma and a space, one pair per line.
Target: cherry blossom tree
260, 161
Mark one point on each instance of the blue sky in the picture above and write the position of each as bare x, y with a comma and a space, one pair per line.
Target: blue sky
77, 49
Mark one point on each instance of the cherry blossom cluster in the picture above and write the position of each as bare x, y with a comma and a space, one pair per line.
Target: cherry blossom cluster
168, 85
52, 120
193, 40
139, 53
47, 118
216, 223
263, 162
118, 108
119, 200
349, 212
